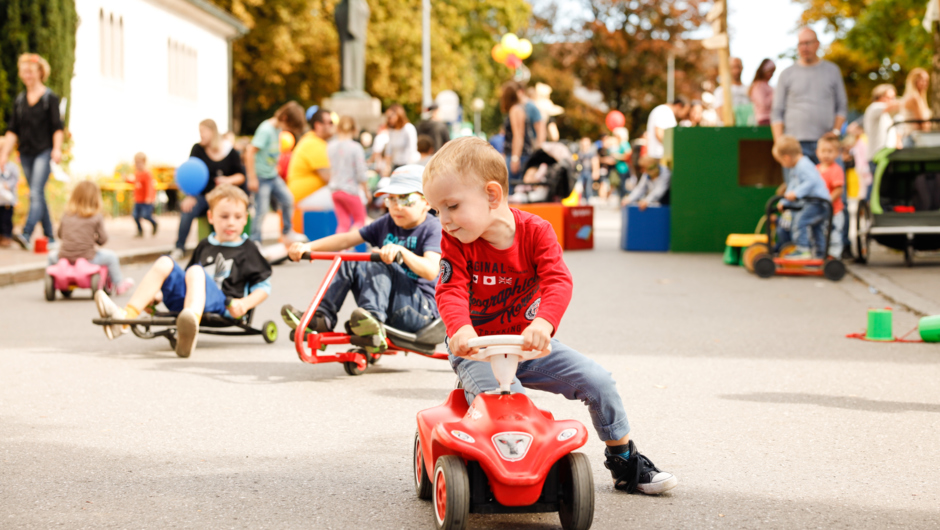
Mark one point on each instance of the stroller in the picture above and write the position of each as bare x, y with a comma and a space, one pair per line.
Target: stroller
552, 183
903, 211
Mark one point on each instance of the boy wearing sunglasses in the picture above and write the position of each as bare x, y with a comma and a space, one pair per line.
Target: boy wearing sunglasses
401, 296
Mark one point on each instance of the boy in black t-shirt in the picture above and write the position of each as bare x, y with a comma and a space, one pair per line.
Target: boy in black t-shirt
401, 296
226, 275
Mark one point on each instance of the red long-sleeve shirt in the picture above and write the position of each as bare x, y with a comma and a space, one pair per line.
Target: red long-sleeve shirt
501, 291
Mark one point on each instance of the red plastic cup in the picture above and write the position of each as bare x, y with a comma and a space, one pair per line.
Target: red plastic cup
41, 245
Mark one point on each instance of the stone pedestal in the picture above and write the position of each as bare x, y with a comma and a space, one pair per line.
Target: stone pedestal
365, 109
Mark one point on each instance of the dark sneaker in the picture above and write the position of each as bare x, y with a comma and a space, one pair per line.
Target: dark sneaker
363, 324
154, 230
292, 316
638, 474
187, 332
21, 241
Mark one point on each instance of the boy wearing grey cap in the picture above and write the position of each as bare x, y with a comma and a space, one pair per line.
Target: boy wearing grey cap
401, 296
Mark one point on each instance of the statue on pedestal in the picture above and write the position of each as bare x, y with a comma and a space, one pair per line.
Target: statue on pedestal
352, 22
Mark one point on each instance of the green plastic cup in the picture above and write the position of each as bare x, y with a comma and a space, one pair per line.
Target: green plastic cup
929, 328
880, 326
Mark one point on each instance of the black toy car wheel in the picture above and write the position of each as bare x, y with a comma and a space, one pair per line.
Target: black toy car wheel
834, 270
764, 266
752, 252
269, 332
171, 337
50, 288
352, 368
863, 237
909, 254
576, 503
451, 493
66, 293
422, 482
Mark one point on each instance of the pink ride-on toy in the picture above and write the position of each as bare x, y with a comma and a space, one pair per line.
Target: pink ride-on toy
66, 277
502, 454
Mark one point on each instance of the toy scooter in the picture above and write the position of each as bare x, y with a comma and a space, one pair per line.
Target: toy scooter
763, 260
357, 360
65, 277
502, 454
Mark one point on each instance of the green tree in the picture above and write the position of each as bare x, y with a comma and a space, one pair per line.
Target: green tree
46, 27
877, 41
291, 52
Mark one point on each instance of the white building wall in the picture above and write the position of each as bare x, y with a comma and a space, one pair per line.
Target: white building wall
112, 119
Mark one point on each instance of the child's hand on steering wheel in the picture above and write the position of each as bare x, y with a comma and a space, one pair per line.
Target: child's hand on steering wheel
389, 252
537, 336
458, 343
237, 308
296, 250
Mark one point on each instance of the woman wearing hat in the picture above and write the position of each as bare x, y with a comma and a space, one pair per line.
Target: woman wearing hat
401, 296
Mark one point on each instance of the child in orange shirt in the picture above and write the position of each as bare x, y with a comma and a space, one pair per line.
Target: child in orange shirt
145, 194
827, 150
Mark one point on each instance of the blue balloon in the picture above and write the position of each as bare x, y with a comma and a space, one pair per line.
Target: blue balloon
192, 176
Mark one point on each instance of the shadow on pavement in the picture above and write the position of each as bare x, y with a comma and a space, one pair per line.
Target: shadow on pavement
837, 402
252, 373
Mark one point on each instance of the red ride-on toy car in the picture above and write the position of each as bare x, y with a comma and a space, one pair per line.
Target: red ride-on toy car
65, 277
502, 454
763, 260
357, 359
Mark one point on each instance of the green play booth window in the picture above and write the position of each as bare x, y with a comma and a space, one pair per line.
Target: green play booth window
721, 180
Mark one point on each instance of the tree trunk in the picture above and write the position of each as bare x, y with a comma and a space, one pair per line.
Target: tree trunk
935, 75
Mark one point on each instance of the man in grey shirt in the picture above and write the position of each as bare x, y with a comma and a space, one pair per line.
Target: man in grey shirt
810, 97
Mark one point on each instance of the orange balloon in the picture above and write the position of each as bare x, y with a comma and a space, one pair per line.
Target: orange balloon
499, 54
287, 141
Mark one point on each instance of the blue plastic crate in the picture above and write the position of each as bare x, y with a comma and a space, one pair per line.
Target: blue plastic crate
318, 225
646, 230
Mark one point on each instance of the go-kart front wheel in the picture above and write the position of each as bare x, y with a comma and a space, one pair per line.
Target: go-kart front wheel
752, 252
834, 270
576, 505
451, 493
352, 367
269, 332
764, 266
422, 482
50, 288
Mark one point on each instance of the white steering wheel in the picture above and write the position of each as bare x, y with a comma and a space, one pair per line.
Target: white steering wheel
491, 345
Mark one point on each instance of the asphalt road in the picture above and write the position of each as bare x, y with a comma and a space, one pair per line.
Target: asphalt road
746, 389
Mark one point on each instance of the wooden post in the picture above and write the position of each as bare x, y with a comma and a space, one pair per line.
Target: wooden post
718, 16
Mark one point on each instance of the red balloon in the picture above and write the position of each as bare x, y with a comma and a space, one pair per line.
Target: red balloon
615, 119
513, 61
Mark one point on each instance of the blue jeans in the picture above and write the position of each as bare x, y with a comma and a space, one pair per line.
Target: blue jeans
282, 195
187, 218
516, 176
386, 291
809, 150
586, 182
102, 257
36, 170
565, 372
143, 211
814, 217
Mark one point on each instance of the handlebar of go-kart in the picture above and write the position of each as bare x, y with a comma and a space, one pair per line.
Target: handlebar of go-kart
350, 256
491, 345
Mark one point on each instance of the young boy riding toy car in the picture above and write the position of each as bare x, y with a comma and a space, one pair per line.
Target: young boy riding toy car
227, 275
400, 295
502, 273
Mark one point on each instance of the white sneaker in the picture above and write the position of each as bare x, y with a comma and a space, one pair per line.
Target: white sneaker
187, 331
295, 237
108, 309
176, 254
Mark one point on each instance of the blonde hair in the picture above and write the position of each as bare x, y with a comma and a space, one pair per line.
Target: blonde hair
34, 58
214, 129
140, 156
787, 145
85, 200
226, 191
471, 159
647, 162
830, 138
347, 125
